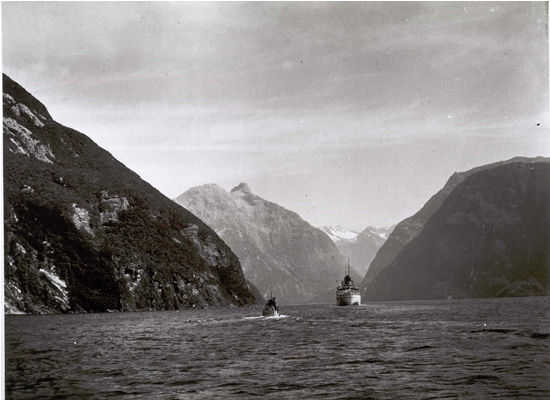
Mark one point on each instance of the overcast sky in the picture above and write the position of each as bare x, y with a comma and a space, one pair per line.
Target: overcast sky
347, 113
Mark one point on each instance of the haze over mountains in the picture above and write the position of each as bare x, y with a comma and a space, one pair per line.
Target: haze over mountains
85, 233
485, 234
279, 251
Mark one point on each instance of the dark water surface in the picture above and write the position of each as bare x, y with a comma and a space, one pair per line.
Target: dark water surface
482, 349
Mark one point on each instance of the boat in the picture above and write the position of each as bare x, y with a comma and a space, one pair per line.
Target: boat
271, 309
346, 293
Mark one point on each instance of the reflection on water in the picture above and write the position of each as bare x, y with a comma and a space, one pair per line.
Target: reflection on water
483, 348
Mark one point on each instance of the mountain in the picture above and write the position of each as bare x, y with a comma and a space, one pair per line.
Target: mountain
337, 233
359, 248
84, 233
383, 232
409, 228
279, 251
366, 245
485, 234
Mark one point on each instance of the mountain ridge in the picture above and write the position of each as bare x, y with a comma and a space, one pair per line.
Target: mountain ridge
280, 252
85, 233
482, 226
410, 227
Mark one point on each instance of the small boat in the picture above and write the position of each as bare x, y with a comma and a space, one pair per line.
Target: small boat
271, 309
347, 294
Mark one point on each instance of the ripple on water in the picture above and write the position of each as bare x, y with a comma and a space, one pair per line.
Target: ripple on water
382, 351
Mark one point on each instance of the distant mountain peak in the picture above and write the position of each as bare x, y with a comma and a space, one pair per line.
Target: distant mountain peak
337, 232
241, 187
210, 187
280, 252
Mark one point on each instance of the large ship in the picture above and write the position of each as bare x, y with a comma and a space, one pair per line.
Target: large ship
347, 294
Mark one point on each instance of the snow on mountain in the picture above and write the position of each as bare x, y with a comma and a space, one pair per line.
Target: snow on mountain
359, 248
383, 232
336, 233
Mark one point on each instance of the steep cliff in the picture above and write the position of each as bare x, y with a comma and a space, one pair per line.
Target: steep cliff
85, 233
410, 227
280, 252
485, 234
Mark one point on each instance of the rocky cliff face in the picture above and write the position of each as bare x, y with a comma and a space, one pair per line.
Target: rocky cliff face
84, 233
485, 234
359, 248
279, 251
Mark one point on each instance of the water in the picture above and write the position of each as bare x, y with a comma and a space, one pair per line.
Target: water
484, 348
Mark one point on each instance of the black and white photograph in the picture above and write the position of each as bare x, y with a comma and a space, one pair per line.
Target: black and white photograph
275, 200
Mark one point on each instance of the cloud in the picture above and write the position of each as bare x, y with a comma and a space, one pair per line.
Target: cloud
319, 95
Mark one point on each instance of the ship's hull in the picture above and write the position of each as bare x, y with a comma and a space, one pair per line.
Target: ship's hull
348, 299
270, 313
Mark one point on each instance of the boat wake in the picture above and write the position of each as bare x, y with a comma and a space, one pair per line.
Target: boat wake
280, 316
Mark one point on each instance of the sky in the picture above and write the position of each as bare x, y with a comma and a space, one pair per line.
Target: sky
350, 114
